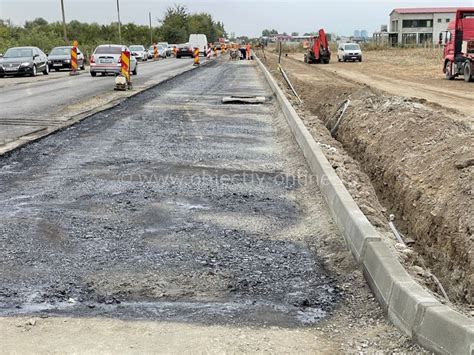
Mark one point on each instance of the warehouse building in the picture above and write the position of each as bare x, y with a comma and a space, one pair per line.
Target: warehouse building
418, 26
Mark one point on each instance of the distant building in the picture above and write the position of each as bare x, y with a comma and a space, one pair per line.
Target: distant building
415, 26
381, 37
364, 34
356, 34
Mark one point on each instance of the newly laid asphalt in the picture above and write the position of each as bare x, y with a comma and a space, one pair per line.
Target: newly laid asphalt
171, 206
29, 104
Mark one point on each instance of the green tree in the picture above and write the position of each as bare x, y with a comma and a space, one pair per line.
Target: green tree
266, 33
174, 27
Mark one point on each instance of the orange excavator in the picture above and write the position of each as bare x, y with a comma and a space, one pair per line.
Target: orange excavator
318, 49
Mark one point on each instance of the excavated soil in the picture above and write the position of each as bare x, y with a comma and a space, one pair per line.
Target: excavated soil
398, 156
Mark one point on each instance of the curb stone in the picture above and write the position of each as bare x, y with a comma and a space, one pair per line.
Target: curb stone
410, 307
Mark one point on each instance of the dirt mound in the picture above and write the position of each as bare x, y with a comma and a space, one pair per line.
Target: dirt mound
419, 160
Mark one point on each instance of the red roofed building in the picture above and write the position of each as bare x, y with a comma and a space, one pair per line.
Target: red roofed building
414, 26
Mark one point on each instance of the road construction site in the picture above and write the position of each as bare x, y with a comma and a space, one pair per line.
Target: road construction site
398, 72
162, 211
399, 155
173, 211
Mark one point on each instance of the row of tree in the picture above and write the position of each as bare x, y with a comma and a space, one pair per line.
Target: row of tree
268, 33
175, 27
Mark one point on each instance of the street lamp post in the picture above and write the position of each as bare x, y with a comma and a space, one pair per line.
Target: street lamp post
151, 31
64, 22
118, 15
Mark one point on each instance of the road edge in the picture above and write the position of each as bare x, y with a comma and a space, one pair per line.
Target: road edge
409, 306
41, 133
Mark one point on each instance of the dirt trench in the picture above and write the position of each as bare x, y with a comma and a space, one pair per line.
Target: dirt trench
399, 156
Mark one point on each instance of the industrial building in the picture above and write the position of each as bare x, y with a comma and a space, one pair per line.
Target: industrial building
418, 26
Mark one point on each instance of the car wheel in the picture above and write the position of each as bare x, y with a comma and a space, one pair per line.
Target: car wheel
135, 71
2, 76
34, 71
93, 73
360, 59
83, 66
46, 70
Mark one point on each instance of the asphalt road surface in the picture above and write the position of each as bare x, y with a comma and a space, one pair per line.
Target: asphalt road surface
33, 99
173, 223
171, 206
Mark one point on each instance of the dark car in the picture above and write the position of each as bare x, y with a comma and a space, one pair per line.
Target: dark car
184, 51
60, 58
23, 60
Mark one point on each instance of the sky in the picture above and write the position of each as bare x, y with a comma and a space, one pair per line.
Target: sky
243, 17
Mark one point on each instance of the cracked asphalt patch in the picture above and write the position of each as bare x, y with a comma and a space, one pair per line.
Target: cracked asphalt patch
170, 206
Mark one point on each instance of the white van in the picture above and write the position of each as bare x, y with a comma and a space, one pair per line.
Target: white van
349, 51
198, 41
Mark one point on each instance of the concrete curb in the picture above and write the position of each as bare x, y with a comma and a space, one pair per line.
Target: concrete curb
410, 307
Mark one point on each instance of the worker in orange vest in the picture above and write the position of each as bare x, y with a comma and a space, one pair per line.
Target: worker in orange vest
247, 51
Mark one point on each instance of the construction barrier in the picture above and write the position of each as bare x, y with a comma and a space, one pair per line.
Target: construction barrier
196, 56
74, 70
123, 81
215, 51
155, 52
208, 52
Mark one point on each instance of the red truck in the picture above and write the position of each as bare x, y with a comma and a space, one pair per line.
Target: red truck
459, 46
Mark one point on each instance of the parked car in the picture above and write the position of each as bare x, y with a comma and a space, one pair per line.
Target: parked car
106, 60
349, 51
198, 41
161, 51
184, 50
23, 60
60, 58
139, 52
167, 48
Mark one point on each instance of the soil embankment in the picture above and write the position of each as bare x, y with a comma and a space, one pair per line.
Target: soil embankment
419, 159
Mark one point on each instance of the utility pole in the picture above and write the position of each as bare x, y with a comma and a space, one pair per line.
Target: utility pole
64, 22
151, 30
118, 15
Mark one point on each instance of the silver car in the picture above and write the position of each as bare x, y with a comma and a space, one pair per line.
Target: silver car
106, 60
166, 47
139, 52
161, 52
